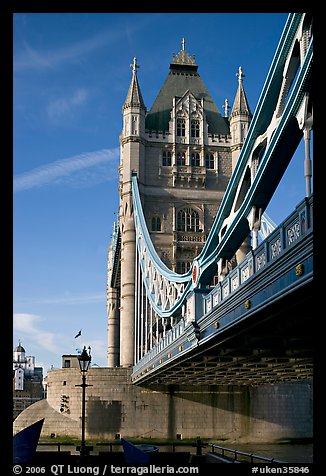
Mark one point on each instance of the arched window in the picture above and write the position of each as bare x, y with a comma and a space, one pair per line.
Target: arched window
183, 266
195, 159
181, 127
194, 128
209, 161
166, 158
156, 224
187, 220
181, 158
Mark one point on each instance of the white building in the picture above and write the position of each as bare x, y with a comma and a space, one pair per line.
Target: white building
27, 380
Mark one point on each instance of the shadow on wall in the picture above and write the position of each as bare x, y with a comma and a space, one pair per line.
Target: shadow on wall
289, 404
103, 415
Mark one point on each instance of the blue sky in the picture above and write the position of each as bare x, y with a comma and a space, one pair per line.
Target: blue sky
71, 77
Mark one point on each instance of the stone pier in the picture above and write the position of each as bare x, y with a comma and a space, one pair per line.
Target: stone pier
116, 407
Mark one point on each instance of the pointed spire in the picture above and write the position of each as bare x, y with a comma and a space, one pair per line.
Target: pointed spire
240, 105
134, 96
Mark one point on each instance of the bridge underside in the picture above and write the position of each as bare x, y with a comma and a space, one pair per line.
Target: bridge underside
274, 346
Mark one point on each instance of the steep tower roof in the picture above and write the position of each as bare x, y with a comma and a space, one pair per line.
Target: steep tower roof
183, 76
134, 96
240, 105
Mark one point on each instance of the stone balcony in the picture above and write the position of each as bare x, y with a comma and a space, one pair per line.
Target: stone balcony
190, 237
185, 175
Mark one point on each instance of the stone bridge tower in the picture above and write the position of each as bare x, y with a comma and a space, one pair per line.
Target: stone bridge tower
183, 152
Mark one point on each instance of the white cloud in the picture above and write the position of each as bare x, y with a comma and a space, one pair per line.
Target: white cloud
80, 96
47, 346
28, 58
29, 326
67, 299
61, 170
98, 351
61, 106
31, 59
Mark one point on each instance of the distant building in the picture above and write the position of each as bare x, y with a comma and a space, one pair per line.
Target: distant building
27, 381
70, 361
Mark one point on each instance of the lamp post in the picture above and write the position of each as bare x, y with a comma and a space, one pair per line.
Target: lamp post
84, 360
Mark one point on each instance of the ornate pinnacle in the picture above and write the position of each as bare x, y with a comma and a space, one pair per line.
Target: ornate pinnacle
134, 65
226, 108
240, 74
183, 57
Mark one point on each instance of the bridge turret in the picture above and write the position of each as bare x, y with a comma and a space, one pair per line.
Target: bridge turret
240, 119
134, 109
132, 157
132, 136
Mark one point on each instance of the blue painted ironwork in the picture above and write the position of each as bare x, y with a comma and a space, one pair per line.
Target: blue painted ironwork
231, 300
284, 237
273, 121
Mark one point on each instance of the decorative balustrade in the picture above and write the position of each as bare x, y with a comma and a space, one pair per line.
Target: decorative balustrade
182, 172
192, 237
170, 336
293, 229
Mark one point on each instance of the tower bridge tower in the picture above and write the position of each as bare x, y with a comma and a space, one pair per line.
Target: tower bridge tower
183, 151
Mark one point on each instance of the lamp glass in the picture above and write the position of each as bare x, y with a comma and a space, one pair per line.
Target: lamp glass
84, 360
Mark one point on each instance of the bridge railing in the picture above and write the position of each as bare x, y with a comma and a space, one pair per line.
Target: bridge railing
289, 232
244, 457
170, 336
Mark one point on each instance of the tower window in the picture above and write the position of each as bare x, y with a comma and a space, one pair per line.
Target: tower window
183, 266
166, 158
195, 159
188, 220
156, 224
194, 128
181, 158
209, 161
181, 127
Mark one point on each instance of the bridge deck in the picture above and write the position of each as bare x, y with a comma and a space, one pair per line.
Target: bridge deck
260, 333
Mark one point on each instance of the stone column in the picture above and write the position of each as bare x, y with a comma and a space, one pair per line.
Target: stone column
244, 249
307, 160
113, 328
127, 309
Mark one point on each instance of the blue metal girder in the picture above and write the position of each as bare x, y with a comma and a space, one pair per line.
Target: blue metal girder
283, 143
262, 117
281, 277
139, 218
277, 155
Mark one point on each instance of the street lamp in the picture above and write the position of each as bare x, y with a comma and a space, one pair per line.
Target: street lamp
84, 360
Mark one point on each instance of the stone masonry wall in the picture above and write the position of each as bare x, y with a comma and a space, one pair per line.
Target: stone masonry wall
114, 406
